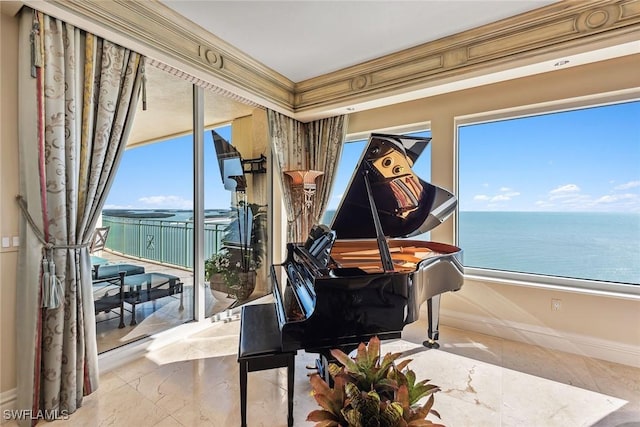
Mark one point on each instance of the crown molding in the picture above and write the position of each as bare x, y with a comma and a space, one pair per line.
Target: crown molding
523, 39
154, 30
546, 33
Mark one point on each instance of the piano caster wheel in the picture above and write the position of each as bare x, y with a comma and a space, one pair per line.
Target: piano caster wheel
431, 344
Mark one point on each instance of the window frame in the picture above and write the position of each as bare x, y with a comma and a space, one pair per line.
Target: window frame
589, 286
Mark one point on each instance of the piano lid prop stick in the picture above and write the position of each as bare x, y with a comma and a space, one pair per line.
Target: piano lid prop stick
387, 263
401, 249
394, 257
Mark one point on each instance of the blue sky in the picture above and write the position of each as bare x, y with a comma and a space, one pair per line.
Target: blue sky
581, 160
160, 176
584, 160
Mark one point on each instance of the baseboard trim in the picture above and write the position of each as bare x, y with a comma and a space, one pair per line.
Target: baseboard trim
7, 403
583, 345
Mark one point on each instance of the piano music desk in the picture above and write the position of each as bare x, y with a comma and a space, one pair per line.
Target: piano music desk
260, 349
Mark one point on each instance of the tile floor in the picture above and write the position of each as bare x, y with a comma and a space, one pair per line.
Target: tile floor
485, 381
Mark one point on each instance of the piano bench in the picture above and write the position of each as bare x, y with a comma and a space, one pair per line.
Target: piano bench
260, 348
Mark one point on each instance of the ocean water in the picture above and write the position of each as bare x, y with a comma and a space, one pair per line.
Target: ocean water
584, 245
165, 214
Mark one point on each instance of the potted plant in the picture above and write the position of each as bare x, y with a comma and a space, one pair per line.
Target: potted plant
368, 391
215, 268
234, 268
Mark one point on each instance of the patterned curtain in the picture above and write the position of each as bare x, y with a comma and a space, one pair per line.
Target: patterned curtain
316, 145
326, 137
79, 98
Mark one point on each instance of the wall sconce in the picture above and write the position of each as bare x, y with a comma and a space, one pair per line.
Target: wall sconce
304, 189
305, 179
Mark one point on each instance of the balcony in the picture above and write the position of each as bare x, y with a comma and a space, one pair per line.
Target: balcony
158, 247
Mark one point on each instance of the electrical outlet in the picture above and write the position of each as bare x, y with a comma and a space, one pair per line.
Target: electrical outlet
556, 304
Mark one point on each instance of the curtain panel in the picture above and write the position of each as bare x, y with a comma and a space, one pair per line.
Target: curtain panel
315, 145
78, 99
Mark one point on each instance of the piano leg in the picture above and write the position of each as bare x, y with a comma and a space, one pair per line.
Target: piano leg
433, 317
291, 366
243, 393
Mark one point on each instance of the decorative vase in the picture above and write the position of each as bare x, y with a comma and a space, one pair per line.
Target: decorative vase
245, 287
217, 283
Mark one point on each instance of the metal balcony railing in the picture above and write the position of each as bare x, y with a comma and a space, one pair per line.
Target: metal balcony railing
168, 242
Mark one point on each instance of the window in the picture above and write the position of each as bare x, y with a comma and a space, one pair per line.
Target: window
148, 211
554, 194
351, 153
168, 195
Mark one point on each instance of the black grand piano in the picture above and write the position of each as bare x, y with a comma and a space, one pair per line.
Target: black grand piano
363, 276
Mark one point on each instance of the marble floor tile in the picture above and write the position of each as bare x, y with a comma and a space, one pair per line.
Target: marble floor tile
563, 367
483, 380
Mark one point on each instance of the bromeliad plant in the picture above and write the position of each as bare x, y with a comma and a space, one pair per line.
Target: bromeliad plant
372, 392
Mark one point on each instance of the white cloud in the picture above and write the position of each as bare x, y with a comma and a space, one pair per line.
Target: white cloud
508, 192
504, 194
166, 202
627, 185
565, 189
612, 198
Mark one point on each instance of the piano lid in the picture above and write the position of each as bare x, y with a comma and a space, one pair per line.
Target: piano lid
407, 205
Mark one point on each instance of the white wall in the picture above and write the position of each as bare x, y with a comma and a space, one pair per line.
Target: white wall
8, 207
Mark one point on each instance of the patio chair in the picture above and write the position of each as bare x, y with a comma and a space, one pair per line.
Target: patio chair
99, 240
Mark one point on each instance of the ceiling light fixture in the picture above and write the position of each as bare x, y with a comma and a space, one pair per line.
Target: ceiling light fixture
561, 63
351, 108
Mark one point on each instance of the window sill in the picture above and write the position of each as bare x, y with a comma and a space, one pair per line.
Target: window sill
581, 286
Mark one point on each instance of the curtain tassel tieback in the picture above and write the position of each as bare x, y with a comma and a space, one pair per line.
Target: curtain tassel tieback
52, 291
52, 287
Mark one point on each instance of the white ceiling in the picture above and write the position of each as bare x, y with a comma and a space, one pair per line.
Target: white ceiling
304, 39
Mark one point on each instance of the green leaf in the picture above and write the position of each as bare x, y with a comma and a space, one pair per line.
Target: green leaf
391, 415
373, 350
423, 423
328, 423
403, 364
402, 397
332, 400
318, 385
372, 391
411, 377
417, 393
352, 416
422, 411
320, 415
346, 361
